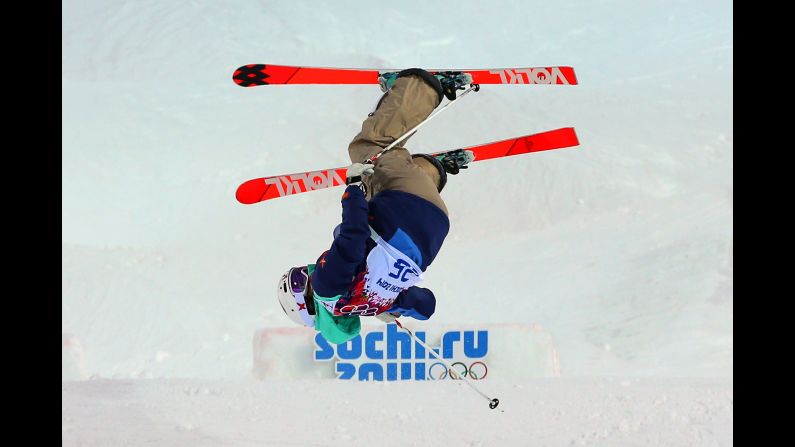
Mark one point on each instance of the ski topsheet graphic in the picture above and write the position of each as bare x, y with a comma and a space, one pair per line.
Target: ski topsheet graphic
267, 188
265, 74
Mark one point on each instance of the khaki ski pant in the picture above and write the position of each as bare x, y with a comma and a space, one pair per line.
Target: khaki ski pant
406, 104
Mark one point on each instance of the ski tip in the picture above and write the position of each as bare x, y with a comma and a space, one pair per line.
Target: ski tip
250, 192
250, 75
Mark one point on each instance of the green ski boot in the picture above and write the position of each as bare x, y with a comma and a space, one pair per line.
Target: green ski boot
450, 81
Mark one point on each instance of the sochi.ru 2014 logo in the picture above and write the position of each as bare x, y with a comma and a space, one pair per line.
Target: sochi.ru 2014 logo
393, 355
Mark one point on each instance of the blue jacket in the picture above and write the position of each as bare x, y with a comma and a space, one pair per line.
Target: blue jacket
407, 222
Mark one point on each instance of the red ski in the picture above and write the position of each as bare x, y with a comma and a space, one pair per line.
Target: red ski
266, 188
261, 74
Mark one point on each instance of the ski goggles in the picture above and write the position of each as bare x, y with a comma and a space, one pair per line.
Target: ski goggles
298, 279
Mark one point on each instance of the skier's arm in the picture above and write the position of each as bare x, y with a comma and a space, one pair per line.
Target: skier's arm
337, 267
415, 302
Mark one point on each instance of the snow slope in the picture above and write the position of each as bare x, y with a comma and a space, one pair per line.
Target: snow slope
559, 412
621, 248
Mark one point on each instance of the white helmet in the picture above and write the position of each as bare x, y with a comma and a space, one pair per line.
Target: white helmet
290, 292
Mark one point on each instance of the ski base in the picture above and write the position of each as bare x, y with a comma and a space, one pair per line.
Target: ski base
253, 75
267, 188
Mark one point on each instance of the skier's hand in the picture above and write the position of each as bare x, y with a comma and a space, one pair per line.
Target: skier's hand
355, 173
360, 169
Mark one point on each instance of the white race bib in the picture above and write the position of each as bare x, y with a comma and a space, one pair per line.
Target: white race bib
388, 273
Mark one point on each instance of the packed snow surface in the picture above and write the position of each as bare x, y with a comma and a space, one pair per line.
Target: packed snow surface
620, 248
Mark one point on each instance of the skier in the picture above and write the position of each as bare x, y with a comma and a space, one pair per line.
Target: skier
393, 219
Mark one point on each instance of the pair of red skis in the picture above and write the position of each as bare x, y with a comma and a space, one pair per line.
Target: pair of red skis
266, 188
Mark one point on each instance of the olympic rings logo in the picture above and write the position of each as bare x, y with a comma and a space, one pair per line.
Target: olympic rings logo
474, 373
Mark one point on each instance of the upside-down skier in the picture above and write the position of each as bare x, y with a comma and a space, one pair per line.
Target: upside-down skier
393, 219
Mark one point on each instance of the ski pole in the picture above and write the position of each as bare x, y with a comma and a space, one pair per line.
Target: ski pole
474, 87
492, 402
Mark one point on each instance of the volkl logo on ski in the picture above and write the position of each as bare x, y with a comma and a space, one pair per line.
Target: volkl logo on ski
291, 184
531, 76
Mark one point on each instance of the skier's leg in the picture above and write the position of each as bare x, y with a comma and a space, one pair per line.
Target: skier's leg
397, 170
411, 100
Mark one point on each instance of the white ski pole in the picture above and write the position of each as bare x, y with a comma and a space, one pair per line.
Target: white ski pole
492, 402
474, 87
